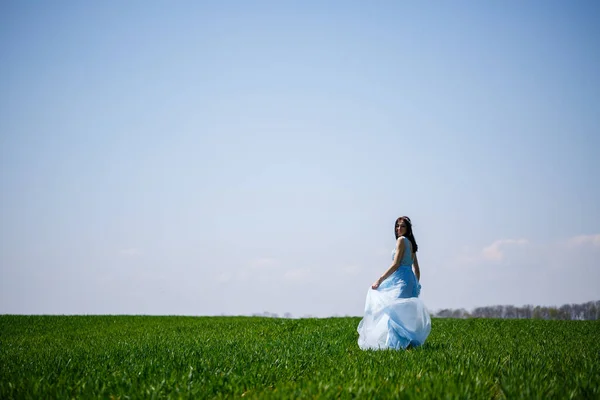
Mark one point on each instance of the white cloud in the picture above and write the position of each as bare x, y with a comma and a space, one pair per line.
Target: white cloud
495, 251
584, 240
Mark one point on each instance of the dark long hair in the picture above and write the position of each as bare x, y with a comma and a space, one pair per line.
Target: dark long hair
409, 233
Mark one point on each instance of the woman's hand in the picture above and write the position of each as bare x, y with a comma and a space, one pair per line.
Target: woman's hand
376, 284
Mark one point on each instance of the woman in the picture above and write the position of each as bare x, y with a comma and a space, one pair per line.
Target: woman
395, 317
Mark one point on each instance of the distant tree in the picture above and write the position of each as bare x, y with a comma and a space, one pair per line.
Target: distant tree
519, 311
564, 312
270, 315
498, 312
510, 312
591, 310
484, 312
445, 313
478, 312
585, 311
576, 311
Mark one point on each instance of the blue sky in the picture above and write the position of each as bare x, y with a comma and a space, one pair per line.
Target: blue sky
207, 158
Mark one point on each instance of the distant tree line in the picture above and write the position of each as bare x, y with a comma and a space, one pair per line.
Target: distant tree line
585, 311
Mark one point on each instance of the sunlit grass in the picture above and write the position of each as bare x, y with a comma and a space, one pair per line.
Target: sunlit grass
208, 357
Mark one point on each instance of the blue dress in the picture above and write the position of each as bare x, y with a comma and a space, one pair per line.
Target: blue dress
395, 317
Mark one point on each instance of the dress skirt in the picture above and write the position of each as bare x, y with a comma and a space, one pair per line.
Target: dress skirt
395, 317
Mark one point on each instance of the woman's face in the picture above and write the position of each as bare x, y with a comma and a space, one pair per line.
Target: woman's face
401, 228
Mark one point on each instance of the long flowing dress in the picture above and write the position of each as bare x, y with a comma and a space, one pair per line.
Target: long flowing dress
395, 317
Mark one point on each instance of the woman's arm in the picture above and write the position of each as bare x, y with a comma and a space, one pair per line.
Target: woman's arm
416, 267
395, 263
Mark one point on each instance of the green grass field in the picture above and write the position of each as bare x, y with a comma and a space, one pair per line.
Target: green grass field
252, 357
